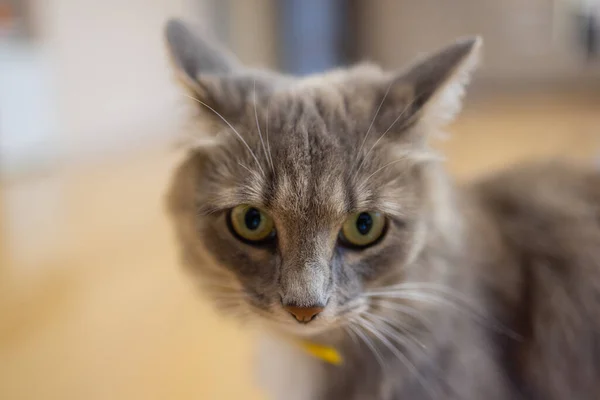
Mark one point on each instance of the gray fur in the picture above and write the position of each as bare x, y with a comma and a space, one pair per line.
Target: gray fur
505, 273
194, 55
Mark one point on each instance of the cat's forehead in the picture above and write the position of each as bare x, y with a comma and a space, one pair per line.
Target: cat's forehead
310, 176
311, 154
326, 105
305, 153
305, 195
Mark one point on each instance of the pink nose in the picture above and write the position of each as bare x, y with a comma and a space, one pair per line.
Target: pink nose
303, 314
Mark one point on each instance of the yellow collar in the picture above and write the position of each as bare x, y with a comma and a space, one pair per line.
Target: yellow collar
322, 352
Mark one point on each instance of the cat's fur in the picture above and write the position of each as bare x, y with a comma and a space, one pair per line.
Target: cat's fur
498, 282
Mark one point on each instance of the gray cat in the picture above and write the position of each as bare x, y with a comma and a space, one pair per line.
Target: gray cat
315, 209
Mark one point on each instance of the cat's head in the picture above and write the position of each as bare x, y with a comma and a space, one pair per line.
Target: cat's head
301, 194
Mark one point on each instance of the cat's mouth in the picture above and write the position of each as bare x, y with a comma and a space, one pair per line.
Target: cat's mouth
273, 315
330, 319
306, 330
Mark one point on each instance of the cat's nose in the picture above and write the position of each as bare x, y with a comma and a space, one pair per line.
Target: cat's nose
304, 314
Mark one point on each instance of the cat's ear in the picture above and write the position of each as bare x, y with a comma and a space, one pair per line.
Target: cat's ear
195, 56
210, 73
431, 90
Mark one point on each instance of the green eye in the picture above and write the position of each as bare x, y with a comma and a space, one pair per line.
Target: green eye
363, 229
251, 224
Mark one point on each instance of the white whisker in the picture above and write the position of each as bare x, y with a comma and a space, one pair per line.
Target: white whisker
258, 125
392, 125
404, 309
371, 125
419, 285
412, 295
380, 169
396, 329
401, 356
386, 131
428, 287
267, 129
370, 345
352, 335
455, 302
232, 128
246, 168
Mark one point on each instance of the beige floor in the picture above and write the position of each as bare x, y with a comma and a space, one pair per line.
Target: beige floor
93, 305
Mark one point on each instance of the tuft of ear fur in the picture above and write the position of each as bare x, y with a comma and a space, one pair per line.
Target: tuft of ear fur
430, 91
446, 102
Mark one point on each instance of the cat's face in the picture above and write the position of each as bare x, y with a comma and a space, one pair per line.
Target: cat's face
311, 191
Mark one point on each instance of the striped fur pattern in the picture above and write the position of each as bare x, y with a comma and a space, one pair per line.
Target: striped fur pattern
486, 291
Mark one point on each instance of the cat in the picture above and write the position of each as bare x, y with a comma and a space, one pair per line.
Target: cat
314, 208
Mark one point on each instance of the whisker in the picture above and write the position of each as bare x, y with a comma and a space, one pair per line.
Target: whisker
386, 131
399, 354
404, 293
410, 311
267, 129
188, 139
474, 311
436, 287
420, 285
370, 345
415, 158
419, 296
350, 305
246, 168
380, 169
351, 335
409, 105
411, 287
232, 128
258, 125
396, 329
372, 122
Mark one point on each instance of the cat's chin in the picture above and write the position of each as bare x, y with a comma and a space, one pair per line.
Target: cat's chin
305, 331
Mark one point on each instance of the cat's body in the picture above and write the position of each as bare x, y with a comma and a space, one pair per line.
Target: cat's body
531, 255
488, 291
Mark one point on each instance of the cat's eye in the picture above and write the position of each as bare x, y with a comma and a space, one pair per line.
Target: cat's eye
363, 229
251, 224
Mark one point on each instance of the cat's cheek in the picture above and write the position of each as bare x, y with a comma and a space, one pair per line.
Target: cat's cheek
387, 257
243, 260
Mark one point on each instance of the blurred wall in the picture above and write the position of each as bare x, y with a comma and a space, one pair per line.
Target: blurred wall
26, 116
534, 41
103, 76
111, 75
250, 30
95, 79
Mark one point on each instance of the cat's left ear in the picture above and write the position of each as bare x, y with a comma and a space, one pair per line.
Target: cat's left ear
193, 55
431, 90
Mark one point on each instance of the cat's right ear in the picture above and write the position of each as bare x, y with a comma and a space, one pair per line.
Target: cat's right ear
195, 57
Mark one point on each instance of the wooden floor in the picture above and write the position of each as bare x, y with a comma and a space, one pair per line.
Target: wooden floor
94, 306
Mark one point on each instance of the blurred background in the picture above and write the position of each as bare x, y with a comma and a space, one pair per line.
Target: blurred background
93, 304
